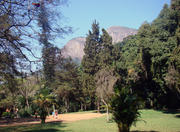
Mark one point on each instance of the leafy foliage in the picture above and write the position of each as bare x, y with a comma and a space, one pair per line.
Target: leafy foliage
90, 61
43, 100
125, 107
147, 60
67, 83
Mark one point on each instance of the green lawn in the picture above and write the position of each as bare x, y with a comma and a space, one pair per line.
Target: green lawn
150, 121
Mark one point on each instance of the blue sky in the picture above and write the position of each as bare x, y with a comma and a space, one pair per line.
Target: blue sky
130, 13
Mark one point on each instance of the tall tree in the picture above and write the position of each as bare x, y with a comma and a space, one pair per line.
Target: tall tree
67, 86
28, 87
105, 50
8, 81
49, 30
105, 81
90, 60
105, 78
15, 20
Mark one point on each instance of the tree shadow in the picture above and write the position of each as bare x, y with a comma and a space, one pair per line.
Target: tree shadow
144, 131
177, 116
176, 112
48, 130
45, 130
47, 127
53, 127
18, 120
171, 111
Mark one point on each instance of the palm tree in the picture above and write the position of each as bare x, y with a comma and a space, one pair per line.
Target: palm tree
125, 107
43, 100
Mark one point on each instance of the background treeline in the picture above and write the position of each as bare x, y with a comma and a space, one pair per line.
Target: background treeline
147, 63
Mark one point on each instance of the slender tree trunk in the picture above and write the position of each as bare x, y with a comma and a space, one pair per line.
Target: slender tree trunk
81, 106
107, 110
53, 108
74, 107
151, 103
48, 111
27, 102
98, 106
85, 107
67, 105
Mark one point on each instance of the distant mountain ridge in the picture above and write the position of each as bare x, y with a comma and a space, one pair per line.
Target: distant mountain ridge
75, 47
118, 33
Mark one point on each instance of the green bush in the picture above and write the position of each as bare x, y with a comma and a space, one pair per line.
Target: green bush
24, 112
80, 110
62, 109
8, 115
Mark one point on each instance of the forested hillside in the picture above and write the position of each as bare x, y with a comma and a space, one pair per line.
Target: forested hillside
150, 59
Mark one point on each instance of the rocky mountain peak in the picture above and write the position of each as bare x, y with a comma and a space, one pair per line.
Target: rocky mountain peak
75, 47
118, 33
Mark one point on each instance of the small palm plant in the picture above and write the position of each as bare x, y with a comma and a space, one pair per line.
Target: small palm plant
43, 100
124, 105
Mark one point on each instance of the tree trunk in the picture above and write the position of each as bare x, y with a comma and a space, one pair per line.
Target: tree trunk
107, 110
74, 108
27, 102
81, 106
123, 128
98, 106
43, 115
85, 107
151, 103
53, 108
67, 105
48, 111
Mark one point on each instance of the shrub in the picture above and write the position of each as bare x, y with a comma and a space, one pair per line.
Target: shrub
125, 107
43, 100
24, 112
8, 115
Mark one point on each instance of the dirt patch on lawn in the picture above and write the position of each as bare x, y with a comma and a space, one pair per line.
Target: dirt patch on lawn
76, 117
60, 118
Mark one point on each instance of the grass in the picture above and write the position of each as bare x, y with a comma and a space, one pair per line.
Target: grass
150, 121
158, 121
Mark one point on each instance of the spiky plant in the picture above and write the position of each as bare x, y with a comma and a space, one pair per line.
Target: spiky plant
43, 100
124, 105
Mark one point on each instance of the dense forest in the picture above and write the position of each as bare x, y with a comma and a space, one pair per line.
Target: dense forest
142, 71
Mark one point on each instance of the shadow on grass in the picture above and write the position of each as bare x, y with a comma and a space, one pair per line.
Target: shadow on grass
18, 120
48, 127
145, 131
178, 116
176, 112
101, 111
171, 111
45, 130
